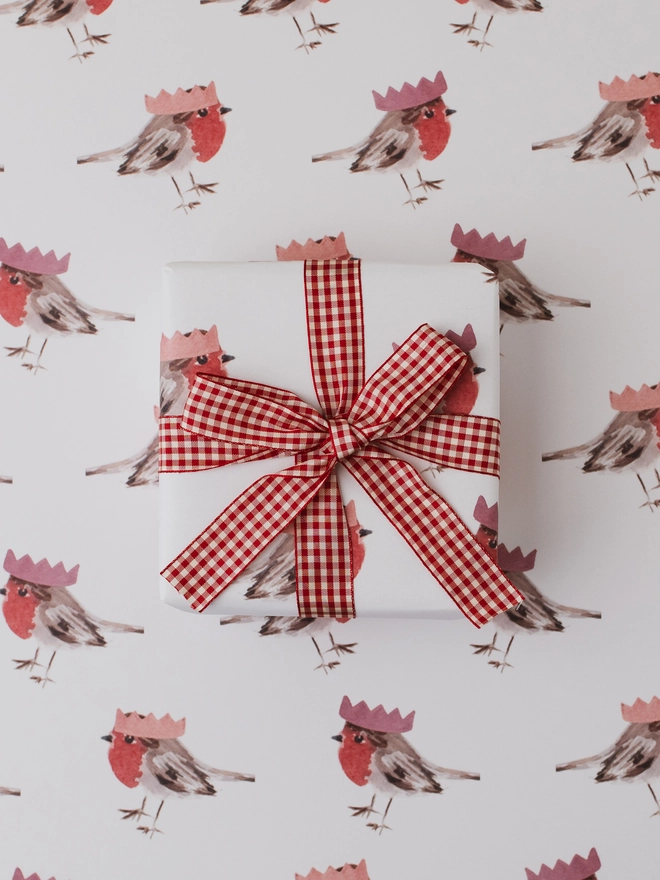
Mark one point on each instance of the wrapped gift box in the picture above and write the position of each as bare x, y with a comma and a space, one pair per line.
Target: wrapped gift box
249, 319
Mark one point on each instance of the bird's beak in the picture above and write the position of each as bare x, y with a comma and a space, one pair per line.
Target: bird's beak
478, 370
364, 532
107, 737
338, 737
3, 591
226, 358
449, 112
224, 110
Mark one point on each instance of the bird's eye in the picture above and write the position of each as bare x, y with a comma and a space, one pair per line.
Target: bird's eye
14, 279
202, 359
22, 591
203, 112
655, 99
429, 114
359, 738
492, 543
129, 739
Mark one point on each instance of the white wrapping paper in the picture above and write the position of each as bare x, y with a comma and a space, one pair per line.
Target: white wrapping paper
259, 310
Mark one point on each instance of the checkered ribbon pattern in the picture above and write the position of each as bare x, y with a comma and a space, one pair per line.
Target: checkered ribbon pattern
361, 424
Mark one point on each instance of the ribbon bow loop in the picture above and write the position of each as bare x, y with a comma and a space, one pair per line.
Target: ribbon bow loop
229, 420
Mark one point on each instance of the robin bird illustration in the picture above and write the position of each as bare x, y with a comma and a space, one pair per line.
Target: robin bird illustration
182, 359
415, 126
347, 872
578, 869
33, 295
146, 751
58, 12
630, 443
627, 125
11, 792
535, 614
520, 300
492, 8
374, 752
274, 576
293, 8
330, 247
635, 756
38, 604
186, 127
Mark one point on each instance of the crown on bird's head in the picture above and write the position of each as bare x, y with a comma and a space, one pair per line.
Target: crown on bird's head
351, 514
375, 719
148, 726
42, 572
348, 872
32, 261
19, 875
411, 96
327, 248
636, 401
485, 515
514, 560
631, 90
466, 341
579, 869
488, 248
641, 712
182, 101
190, 345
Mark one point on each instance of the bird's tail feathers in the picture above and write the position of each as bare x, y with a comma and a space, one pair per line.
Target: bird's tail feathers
104, 156
572, 452
14, 792
114, 467
577, 612
346, 153
111, 626
446, 773
568, 301
230, 775
105, 315
11, 7
579, 764
556, 143
237, 618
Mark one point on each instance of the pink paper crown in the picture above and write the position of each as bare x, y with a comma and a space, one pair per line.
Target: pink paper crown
485, 515
348, 872
489, 248
514, 560
579, 869
375, 719
196, 344
32, 261
411, 96
351, 514
148, 726
40, 572
641, 712
466, 341
632, 90
636, 401
19, 875
182, 101
328, 248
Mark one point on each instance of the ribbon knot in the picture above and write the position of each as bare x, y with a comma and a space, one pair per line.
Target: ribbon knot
229, 420
344, 438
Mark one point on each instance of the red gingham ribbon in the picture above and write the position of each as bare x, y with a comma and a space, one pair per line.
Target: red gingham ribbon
228, 420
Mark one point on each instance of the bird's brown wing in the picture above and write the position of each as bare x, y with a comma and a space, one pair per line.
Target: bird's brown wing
519, 298
519, 5
621, 443
145, 468
45, 11
404, 768
176, 769
173, 391
254, 6
157, 145
58, 308
275, 574
634, 752
611, 132
68, 621
387, 144
536, 612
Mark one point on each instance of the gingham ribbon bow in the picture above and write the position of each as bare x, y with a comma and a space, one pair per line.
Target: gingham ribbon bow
229, 420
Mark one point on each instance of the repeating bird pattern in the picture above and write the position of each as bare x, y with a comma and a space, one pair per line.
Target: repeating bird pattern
61, 12
491, 8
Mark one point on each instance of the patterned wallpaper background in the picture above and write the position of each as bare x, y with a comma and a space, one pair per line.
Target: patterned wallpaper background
75, 805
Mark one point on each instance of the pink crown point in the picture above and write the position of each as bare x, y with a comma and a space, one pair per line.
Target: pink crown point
514, 560
636, 401
579, 869
41, 572
488, 248
467, 341
195, 344
641, 712
182, 101
485, 515
351, 515
376, 719
327, 248
32, 261
148, 726
634, 89
348, 872
19, 875
411, 96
